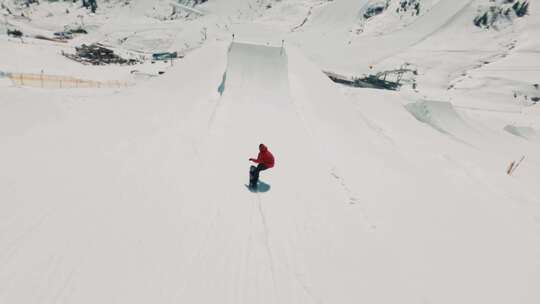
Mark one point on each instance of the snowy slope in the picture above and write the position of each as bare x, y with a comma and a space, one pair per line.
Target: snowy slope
138, 194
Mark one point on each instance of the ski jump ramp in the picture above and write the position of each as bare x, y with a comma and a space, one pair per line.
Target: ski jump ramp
273, 240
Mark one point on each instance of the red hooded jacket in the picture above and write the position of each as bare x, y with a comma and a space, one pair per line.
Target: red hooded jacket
265, 157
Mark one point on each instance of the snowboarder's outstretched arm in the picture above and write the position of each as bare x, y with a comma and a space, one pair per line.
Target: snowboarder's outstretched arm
256, 160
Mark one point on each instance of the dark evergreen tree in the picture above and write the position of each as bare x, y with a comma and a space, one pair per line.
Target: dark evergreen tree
91, 4
481, 21
523, 10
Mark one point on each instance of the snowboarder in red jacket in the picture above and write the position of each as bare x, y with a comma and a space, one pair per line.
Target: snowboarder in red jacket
265, 160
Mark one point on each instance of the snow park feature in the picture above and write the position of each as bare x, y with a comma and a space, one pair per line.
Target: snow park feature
440, 115
425, 193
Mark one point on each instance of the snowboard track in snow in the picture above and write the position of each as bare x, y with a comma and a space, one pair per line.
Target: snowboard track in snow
267, 242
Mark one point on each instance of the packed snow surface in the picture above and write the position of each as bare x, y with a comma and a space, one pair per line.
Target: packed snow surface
138, 194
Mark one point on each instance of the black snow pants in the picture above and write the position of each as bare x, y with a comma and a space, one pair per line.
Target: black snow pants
258, 169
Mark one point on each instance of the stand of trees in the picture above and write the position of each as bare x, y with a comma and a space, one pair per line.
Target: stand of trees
495, 13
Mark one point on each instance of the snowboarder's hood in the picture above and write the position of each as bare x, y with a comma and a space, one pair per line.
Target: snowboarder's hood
262, 148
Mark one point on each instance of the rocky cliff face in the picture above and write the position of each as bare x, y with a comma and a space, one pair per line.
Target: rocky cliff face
497, 14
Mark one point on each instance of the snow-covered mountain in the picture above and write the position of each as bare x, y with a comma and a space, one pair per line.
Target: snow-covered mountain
135, 193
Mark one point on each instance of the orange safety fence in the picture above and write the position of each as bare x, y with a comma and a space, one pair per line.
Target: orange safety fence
61, 82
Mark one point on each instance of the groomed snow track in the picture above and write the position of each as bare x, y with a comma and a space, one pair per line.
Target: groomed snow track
271, 243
